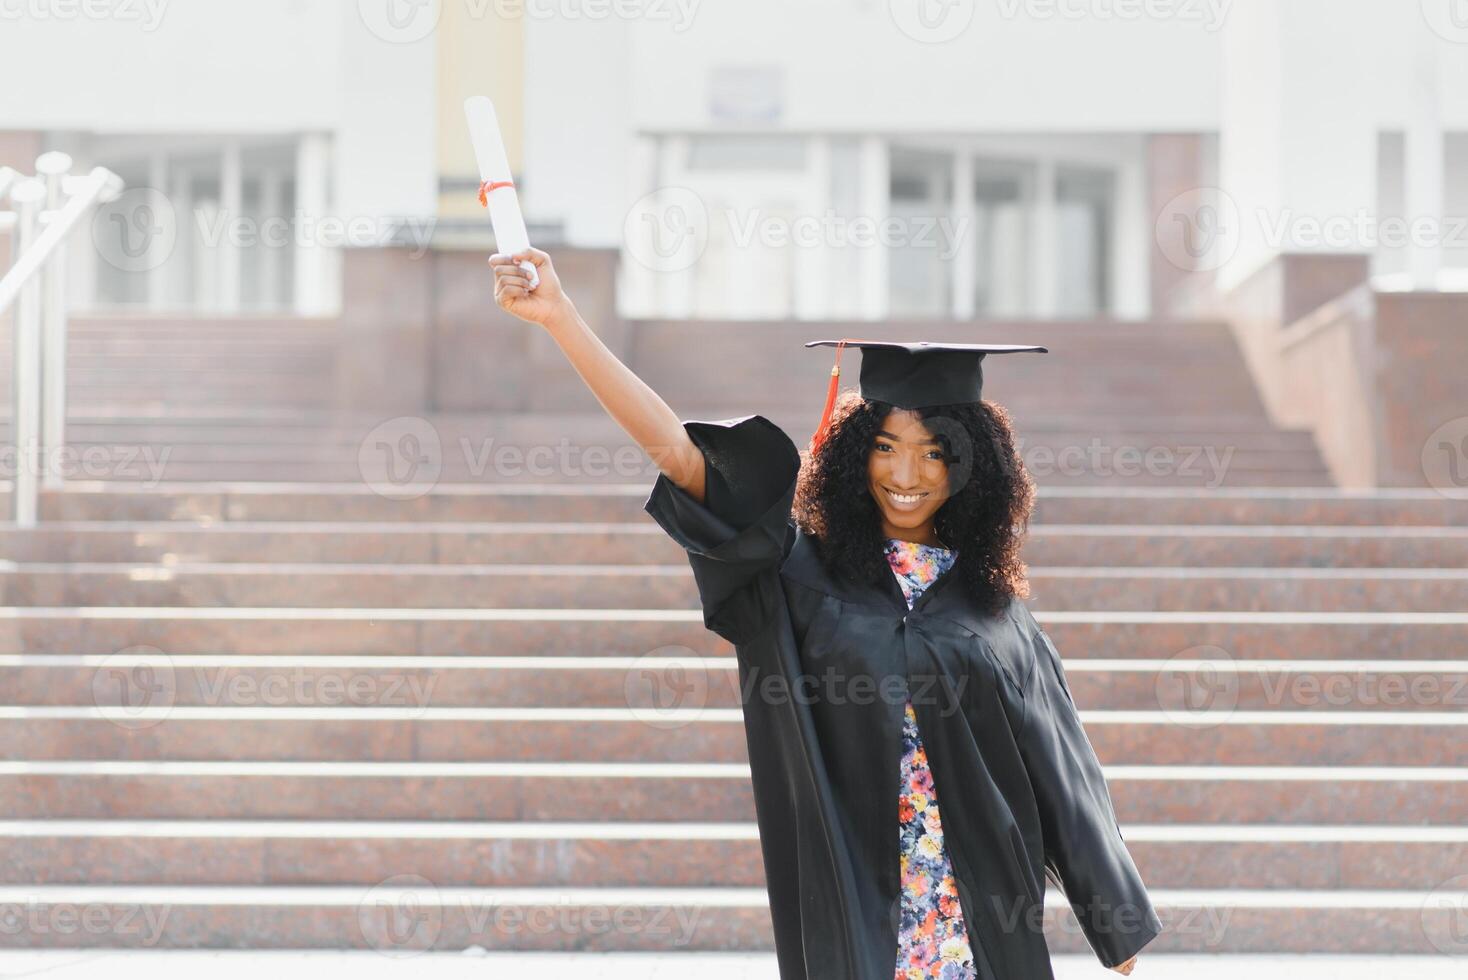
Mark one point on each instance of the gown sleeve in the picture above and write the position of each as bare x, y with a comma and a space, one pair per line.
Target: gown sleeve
1084, 849
743, 526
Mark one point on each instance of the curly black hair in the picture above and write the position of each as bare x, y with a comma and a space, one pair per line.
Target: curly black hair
985, 517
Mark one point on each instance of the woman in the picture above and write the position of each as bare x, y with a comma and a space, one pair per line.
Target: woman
872, 593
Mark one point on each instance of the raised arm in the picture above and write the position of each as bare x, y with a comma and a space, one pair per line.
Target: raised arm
726, 486
638, 409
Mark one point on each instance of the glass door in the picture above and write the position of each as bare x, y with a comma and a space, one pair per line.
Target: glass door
921, 260
1003, 213
1083, 216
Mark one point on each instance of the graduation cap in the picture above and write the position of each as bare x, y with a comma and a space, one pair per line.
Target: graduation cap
916, 374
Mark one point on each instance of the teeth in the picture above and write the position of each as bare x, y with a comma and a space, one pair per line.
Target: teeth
910, 498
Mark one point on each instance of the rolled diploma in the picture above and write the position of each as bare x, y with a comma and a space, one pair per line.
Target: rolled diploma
510, 235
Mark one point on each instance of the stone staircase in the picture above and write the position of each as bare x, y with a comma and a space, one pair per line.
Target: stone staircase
181, 366
585, 449
267, 696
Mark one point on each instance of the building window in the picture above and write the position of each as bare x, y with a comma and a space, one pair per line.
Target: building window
211, 225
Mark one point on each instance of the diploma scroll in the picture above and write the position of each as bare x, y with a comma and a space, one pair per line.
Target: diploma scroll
496, 189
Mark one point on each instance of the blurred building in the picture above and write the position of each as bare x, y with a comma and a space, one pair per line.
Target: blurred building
795, 159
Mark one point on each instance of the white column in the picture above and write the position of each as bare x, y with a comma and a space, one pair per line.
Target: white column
271, 198
1043, 250
676, 287
1422, 170
875, 207
160, 292
1297, 150
637, 284
231, 206
313, 263
81, 268
178, 286
1131, 237
812, 261
963, 214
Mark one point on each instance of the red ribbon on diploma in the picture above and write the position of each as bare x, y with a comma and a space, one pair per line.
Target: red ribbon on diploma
486, 186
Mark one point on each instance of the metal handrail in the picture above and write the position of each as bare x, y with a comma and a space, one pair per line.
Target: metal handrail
100, 185
37, 280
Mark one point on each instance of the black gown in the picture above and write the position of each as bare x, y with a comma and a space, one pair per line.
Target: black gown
825, 665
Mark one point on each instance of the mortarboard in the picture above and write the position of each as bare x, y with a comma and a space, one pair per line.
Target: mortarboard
913, 374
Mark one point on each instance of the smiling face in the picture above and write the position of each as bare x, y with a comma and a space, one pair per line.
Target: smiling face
907, 476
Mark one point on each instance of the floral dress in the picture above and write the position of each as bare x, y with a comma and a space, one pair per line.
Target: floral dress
932, 941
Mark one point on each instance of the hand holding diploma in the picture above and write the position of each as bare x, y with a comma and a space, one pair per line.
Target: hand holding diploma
514, 292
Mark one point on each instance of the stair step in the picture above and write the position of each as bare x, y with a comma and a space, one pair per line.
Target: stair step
646, 586
634, 632
511, 854
409, 913
148, 471
696, 734
314, 502
1404, 688
638, 542
611, 791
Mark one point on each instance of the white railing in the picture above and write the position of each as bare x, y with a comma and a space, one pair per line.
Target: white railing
36, 286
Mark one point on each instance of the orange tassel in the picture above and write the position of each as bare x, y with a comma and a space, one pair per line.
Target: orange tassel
831, 388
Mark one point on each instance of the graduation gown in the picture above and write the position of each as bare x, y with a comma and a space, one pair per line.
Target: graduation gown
824, 665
